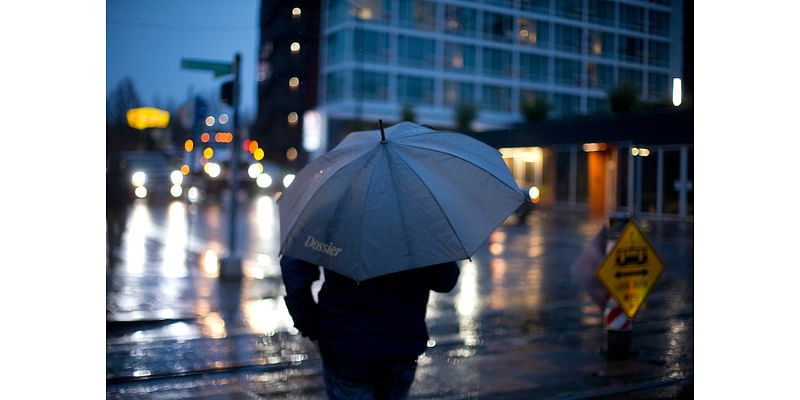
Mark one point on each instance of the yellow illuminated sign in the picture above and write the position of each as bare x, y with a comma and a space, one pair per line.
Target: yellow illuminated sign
630, 269
147, 117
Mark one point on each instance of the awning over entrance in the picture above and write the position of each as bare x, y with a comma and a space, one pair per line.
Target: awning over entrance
671, 126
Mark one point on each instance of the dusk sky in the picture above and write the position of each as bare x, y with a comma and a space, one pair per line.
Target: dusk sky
146, 40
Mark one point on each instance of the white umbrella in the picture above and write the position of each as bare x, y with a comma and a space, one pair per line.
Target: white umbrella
378, 204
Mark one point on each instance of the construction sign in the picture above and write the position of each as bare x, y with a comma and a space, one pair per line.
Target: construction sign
630, 269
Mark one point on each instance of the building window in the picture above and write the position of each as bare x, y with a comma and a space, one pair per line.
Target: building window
597, 105
459, 57
336, 11
414, 90
566, 104
599, 76
334, 49
498, 27
569, 8
582, 177
496, 98
690, 179
501, 3
658, 85
458, 93
371, 11
334, 86
658, 54
497, 62
659, 23
416, 52
461, 21
420, 15
631, 49
601, 12
538, 6
534, 33
601, 44
533, 67
649, 181
631, 77
568, 72
531, 96
671, 181
370, 85
371, 46
631, 17
568, 38
562, 176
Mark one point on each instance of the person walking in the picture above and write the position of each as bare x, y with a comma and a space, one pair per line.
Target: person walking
387, 214
369, 333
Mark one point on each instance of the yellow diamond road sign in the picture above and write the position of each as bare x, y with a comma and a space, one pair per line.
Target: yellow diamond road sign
630, 269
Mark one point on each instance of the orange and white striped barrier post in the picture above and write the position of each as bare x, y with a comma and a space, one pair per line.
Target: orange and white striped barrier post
617, 330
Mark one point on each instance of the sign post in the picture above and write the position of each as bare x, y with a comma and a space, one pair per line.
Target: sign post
628, 272
231, 265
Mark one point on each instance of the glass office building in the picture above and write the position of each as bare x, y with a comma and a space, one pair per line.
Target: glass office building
379, 56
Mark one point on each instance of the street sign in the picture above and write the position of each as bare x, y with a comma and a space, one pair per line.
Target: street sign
147, 117
218, 67
630, 269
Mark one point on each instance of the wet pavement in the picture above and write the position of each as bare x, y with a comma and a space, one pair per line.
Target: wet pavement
517, 325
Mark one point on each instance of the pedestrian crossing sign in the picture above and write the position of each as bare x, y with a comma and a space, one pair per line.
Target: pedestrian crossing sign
630, 269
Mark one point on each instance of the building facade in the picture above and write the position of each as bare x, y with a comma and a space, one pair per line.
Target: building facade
288, 69
379, 56
329, 67
641, 162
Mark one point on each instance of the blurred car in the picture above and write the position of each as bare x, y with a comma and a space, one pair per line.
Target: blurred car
153, 175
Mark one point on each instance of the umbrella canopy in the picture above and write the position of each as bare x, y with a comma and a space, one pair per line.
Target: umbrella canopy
420, 197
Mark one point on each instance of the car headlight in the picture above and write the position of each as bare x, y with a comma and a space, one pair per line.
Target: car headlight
193, 194
176, 191
264, 180
141, 192
176, 177
138, 178
254, 170
212, 169
287, 180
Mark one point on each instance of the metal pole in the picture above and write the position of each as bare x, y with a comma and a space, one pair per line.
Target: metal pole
231, 266
637, 191
617, 326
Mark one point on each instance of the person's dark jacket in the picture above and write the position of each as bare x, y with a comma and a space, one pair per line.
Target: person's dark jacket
379, 318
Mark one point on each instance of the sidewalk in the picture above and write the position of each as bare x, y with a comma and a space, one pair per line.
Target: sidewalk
515, 327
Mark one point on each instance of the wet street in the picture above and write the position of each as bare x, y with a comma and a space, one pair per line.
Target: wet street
517, 325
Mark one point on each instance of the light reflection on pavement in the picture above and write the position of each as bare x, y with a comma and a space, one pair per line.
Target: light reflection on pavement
175, 330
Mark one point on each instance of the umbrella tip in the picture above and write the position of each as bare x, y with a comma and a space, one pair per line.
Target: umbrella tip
383, 135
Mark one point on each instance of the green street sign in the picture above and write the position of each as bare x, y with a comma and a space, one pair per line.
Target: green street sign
219, 68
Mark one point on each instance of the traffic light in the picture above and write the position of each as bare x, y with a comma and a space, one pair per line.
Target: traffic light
226, 93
